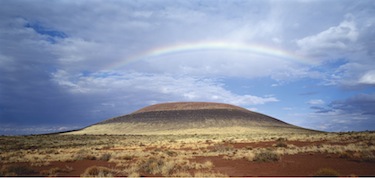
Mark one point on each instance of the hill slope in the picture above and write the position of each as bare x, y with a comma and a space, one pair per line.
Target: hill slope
191, 118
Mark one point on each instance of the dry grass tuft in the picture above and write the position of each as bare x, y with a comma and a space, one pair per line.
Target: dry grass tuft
327, 172
83, 154
367, 156
361, 156
222, 148
152, 165
105, 157
55, 171
209, 174
97, 171
266, 156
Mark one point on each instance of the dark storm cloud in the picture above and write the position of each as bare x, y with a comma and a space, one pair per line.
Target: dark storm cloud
319, 109
27, 93
363, 104
352, 114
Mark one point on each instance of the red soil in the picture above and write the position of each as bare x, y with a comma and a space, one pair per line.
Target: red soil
77, 167
273, 143
291, 165
304, 164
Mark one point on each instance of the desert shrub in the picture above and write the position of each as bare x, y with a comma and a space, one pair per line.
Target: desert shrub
15, 170
266, 156
68, 169
40, 163
82, 154
281, 144
134, 174
45, 173
326, 172
181, 174
163, 166
152, 165
105, 157
209, 174
53, 171
281, 139
346, 154
207, 165
97, 171
126, 157
223, 148
249, 148
367, 156
171, 153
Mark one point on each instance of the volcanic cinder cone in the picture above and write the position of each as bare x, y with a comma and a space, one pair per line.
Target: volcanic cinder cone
192, 118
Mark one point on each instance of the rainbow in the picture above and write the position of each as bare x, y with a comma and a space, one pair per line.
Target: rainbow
254, 49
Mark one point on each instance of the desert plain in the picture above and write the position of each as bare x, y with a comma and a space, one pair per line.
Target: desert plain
274, 154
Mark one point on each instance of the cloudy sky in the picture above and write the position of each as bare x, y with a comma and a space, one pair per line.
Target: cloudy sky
68, 64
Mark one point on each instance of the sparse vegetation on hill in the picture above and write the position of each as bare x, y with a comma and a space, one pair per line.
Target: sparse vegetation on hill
191, 118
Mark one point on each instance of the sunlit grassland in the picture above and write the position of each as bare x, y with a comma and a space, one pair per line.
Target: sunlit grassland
174, 155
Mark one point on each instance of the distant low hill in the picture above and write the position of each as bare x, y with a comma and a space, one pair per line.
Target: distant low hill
191, 118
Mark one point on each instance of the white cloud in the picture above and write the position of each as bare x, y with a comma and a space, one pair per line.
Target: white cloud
288, 108
252, 109
368, 78
7, 63
344, 51
316, 102
336, 38
147, 86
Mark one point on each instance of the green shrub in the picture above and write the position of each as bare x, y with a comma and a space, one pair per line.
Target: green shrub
266, 156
